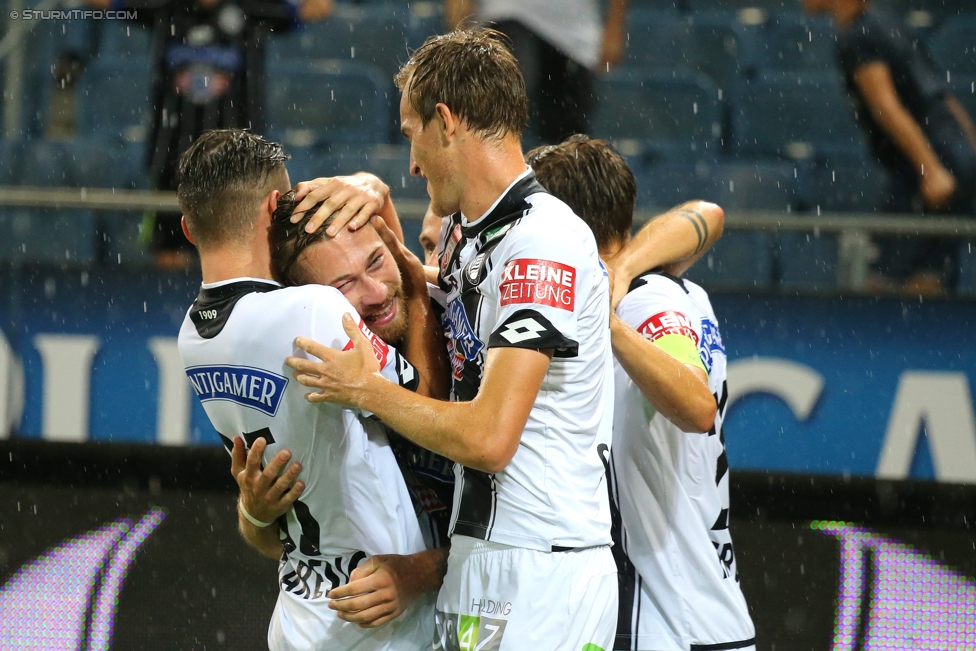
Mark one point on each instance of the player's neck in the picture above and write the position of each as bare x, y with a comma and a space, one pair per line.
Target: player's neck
490, 169
230, 263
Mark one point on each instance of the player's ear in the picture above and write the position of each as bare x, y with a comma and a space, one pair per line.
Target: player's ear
268, 207
186, 230
446, 121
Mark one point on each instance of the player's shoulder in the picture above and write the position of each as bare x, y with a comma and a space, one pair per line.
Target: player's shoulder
552, 225
657, 284
305, 296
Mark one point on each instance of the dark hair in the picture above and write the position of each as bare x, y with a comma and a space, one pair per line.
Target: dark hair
224, 175
288, 240
592, 179
474, 73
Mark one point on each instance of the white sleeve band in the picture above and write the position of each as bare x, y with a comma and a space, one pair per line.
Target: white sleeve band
250, 518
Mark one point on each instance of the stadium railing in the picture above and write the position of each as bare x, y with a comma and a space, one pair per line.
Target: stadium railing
852, 230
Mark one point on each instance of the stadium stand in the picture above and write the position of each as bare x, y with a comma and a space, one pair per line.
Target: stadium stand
793, 41
954, 44
115, 98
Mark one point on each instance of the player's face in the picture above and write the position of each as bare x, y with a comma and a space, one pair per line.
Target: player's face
429, 233
360, 266
429, 158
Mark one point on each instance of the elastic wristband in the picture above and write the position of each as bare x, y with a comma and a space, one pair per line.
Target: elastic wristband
250, 518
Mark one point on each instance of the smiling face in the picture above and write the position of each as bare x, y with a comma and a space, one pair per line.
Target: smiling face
360, 266
429, 233
430, 157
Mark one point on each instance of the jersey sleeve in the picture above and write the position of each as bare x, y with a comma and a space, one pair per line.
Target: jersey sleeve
660, 311
327, 330
542, 287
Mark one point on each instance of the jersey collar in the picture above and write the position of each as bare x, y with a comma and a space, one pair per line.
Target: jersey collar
216, 301
510, 205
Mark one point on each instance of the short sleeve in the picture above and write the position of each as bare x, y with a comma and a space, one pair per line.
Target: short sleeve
543, 285
327, 330
860, 47
660, 311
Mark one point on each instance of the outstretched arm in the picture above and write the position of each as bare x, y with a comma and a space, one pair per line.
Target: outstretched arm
936, 183
483, 434
352, 199
674, 241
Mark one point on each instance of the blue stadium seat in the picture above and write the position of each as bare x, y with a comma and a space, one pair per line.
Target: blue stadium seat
794, 115
967, 268
11, 157
84, 162
716, 44
954, 44
664, 185
46, 235
793, 41
740, 260
125, 39
807, 260
325, 101
660, 5
964, 87
843, 184
392, 164
115, 98
374, 34
675, 115
763, 185
937, 10
738, 5
330, 160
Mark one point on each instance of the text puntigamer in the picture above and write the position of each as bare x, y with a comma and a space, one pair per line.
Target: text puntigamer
250, 387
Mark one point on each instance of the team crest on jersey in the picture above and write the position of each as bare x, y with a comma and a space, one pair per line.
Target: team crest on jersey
249, 387
467, 345
668, 323
711, 343
541, 282
380, 347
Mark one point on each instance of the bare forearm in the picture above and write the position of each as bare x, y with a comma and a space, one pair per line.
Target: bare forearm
670, 386
427, 569
424, 346
963, 118
673, 240
265, 540
902, 128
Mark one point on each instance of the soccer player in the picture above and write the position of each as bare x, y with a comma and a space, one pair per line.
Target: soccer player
679, 587
528, 306
233, 340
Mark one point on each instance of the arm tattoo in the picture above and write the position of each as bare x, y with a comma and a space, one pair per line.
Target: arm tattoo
701, 226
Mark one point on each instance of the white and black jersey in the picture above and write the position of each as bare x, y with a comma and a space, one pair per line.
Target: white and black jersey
527, 274
234, 341
679, 586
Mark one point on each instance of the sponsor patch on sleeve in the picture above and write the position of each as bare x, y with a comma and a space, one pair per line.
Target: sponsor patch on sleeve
539, 282
380, 348
668, 323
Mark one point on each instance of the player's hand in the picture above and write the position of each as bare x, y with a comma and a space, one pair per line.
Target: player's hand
341, 376
412, 271
379, 590
352, 199
937, 186
269, 493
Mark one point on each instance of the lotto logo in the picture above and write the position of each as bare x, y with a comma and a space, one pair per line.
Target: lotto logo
522, 330
380, 349
668, 323
542, 282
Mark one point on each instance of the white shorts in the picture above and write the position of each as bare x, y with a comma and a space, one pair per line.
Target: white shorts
310, 625
501, 598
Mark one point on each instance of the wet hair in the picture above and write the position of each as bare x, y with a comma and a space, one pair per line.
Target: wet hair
223, 177
475, 74
288, 240
594, 180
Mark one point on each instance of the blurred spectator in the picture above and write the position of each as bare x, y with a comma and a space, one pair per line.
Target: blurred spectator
917, 130
209, 75
558, 47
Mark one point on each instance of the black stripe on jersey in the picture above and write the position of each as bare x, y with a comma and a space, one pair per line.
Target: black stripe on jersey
213, 306
628, 581
722, 521
724, 646
264, 433
529, 329
641, 280
476, 508
512, 206
721, 467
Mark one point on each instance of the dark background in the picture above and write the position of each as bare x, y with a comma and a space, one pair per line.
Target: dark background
196, 585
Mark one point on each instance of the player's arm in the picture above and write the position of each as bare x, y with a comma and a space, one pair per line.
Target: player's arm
614, 30
962, 117
382, 587
674, 383
878, 89
483, 434
423, 344
353, 200
673, 241
265, 494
